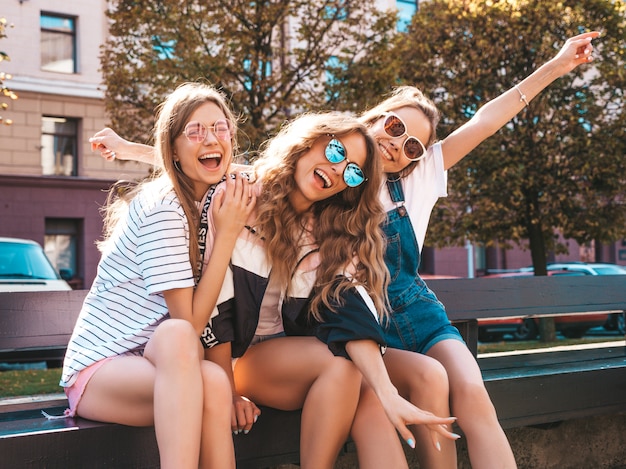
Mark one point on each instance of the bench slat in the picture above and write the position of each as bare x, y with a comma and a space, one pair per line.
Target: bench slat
32, 319
552, 398
478, 298
27, 435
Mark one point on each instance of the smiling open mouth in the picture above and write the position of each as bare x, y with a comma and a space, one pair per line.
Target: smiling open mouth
384, 152
326, 182
210, 161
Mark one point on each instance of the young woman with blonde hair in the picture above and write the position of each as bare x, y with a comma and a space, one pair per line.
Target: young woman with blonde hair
134, 357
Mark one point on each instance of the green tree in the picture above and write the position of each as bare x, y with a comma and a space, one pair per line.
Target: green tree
4, 89
558, 167
271, 57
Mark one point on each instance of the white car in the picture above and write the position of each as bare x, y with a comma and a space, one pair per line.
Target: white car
24, 266
589, 268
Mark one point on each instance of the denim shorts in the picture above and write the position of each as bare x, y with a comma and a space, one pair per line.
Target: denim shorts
257, 339
420, 324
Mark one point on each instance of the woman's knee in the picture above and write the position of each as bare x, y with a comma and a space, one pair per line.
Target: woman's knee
343, 369
472, 395
213, 374
215, 383
175, 339
437, 376
342, 375
430, 375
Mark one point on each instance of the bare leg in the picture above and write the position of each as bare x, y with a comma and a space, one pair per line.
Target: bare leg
486, 441
163, 388
424, 382
301, 373
217, 450
377, 441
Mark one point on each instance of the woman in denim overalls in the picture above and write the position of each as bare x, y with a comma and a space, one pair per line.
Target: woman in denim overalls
416, 178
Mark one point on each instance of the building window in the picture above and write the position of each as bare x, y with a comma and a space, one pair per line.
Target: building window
163, 49
406, 10
338, 11
58, 43
334, 67
61, 247
252, 76
59, 146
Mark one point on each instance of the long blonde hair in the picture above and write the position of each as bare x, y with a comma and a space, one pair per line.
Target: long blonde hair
406, 96
345, 225
172, 116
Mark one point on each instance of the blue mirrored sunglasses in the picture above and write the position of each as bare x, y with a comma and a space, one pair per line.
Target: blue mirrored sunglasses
335, 153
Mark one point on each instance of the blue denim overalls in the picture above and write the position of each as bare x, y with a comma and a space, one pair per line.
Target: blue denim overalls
418, 320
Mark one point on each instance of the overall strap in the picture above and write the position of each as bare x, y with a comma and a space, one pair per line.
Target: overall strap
394, 186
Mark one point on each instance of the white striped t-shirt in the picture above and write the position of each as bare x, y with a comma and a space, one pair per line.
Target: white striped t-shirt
147, 254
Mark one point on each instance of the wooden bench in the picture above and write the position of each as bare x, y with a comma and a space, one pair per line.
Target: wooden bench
527, 388
534, 388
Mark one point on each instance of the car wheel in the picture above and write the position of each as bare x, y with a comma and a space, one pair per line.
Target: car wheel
527, 330
574, 332
484, 336
50, 364
619, 322
612, 322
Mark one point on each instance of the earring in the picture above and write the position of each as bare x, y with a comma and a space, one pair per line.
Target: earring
177, 166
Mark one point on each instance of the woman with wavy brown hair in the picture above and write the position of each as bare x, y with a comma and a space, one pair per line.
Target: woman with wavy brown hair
310, 262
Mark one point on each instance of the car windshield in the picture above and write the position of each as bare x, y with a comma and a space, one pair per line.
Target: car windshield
610, 270
25, 261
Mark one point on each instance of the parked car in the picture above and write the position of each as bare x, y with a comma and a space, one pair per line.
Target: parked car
24, 266
572, 326
615, 321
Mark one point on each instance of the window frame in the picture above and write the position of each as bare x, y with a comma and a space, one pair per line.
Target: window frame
59, 168
73, 229
59, 31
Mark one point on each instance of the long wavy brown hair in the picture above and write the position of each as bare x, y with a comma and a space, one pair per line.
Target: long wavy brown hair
345, 226
172, 116
406, 96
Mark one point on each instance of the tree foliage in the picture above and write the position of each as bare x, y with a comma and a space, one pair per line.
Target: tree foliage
5, 91
559, 166
271, 58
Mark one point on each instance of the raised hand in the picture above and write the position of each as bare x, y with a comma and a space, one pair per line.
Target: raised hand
577, 50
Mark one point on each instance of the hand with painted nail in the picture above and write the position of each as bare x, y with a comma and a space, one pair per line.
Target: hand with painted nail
245, 414
233, 206
402, 413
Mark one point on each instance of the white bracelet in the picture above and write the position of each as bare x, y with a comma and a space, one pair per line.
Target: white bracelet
522, 96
